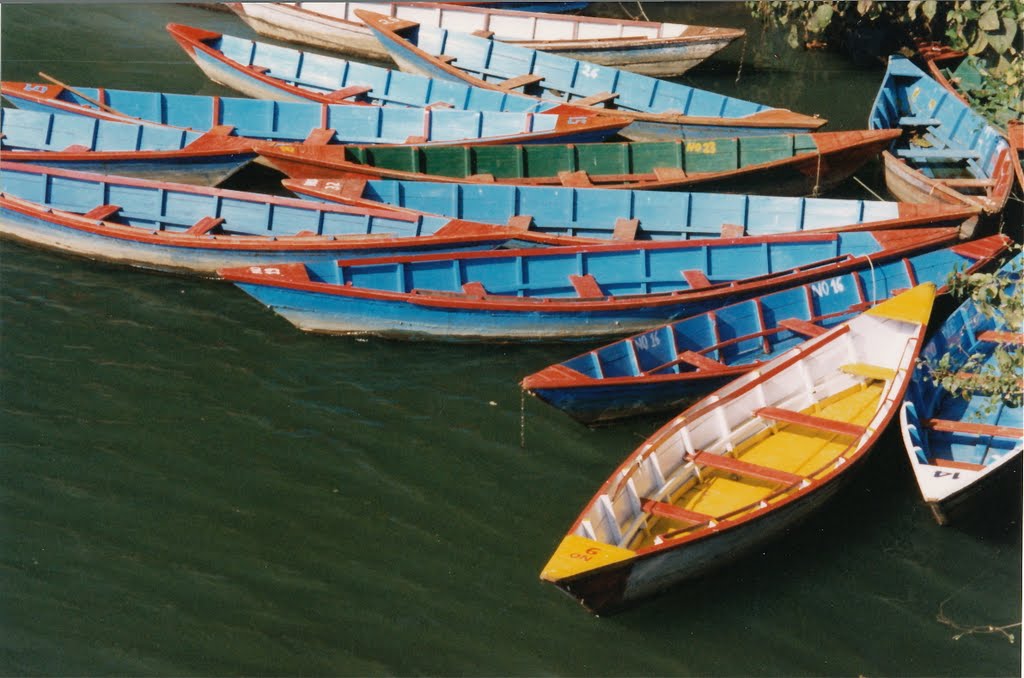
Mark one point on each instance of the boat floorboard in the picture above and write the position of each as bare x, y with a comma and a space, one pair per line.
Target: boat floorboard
790, 448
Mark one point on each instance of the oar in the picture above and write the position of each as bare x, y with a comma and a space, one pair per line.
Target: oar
74, 91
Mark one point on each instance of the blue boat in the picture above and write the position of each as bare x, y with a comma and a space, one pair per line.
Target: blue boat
266, 71
194, 230
630, 214
145, 151
963, 447
560, 293
948, 154
663, 368
658, 109
297, 121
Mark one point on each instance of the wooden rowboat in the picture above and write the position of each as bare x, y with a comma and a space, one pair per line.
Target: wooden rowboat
947, 153
785, 164
559, 293
664, 368
658, 109
743, 465
146, 151
649, 47
188, 229
629, 214
960, 74
313, 122
267, 71
962, 448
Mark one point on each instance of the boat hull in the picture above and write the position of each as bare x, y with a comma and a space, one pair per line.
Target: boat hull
618, 587
189, 170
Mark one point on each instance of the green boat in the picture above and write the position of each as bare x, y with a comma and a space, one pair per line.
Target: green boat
787, 164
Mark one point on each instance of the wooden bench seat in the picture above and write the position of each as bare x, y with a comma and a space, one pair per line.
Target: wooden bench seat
743, 468
1001, 337
320, 136
918, 121
349, 92
596, 99
586, 286
700, 361
205, 225
961, 465
696, 279
869, 371
802, 327
474, 289
524, 80
102, 212
665, 510
973, 428
938, 153
809, 421
625, 229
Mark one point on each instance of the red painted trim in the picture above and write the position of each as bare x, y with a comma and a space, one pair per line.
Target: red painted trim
1001, 337
809, 421
743, 468
973, 428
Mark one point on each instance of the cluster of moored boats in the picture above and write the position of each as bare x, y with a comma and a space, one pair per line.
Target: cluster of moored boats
530, 177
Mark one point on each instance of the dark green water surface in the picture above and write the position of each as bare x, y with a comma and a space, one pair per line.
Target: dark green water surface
192, 487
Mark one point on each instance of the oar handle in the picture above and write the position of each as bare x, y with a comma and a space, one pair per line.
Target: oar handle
102, 105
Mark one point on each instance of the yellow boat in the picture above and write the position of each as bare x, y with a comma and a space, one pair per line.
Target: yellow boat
744, 463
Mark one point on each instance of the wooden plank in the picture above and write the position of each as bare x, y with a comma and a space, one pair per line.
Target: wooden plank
800, 419
586, 285
937, 153
962, 465
474, 288
669, 174
575, 179
665, 510
1001, 337
625, 229
524, 80
520, 222
869, 371
349, 92
733, 231
917, 121
696, 279
744, 468
321, 136
968, 183
102, 212
205, 225
700, 361
595, 99
483, 34
973, 428
801, 327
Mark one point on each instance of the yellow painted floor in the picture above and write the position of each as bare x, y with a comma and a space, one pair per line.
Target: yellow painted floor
791, 448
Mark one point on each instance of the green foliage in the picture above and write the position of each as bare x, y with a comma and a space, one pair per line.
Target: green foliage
992, 30
995, 296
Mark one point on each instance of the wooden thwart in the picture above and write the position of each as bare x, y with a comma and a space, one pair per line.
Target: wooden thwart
809, 421
869, 371
595, 99
665, 510
586, 285
962, 465
205, 225
743, 468
524, 80
802, 327
102, 212
349, 92
701, 362
696, 279
625, 229
973, 428
1001, 337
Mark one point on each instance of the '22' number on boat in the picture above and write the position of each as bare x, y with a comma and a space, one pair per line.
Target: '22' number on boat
827, 287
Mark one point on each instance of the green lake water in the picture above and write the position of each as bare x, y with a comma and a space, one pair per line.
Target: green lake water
192, 487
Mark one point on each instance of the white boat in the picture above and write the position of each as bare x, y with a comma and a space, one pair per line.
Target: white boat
745, 463
648, 47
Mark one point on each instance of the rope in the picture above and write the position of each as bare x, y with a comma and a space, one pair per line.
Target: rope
865, 187
743, 54
642, 12
816, 191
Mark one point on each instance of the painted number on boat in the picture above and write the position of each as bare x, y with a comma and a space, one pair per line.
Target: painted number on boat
41, 89
824, 288
589, 554
589, 70
955, 475
260, 270
706, 147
